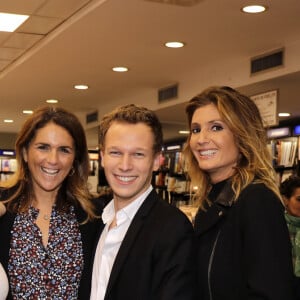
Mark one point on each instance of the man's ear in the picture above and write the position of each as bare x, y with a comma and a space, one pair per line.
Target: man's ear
101, 155
156, 162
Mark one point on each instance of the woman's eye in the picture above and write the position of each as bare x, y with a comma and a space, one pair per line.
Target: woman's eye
65, 150
217, 128
43, 147
195, 130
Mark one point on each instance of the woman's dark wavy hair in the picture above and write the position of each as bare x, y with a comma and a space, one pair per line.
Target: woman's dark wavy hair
288, 186
74, 189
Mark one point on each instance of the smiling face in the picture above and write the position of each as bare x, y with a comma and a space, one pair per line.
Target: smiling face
213, 143
293, 203
128, 160
50, 157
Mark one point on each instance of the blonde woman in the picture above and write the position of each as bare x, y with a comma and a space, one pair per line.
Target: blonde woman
243, 247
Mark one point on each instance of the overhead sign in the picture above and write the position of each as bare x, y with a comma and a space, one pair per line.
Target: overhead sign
267, 105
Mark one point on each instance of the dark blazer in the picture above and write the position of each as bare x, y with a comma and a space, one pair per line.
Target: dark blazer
156, 258
88, 233
244, 250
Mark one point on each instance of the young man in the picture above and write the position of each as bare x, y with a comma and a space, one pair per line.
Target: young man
146, 249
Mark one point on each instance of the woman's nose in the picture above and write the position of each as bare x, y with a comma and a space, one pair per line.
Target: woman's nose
52, 156
203, 137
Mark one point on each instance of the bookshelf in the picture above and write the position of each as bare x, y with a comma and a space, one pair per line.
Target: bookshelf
8, 163
284, 143
170, 181
93, 174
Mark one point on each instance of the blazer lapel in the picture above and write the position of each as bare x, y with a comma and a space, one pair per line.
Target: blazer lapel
130, 237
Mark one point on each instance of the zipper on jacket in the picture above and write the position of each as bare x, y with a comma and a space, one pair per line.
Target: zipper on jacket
210, 264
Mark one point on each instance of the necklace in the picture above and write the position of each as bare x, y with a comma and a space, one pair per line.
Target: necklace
46, 217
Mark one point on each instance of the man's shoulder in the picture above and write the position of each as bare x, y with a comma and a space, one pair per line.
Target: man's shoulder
165, 210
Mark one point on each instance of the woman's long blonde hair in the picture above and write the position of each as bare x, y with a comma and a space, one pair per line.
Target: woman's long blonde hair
242, 116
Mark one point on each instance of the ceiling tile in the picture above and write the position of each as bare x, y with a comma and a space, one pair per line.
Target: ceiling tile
3, 36
22, 40
39, 25
4, 64
10, 53
60, 9
20, 7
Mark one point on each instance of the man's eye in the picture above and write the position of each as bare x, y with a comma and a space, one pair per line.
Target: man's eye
139, 154
114, 153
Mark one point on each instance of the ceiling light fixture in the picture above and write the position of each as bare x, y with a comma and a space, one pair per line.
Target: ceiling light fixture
52, 101
27, 111
254, 9
10, 22
183, 131
120, 69
174, 44
8, 121
81, 87
284, 115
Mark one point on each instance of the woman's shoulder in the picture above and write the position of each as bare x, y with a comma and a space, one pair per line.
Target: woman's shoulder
258, 195
259, 189
6, 192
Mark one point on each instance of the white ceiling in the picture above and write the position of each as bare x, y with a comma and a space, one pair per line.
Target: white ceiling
78, 41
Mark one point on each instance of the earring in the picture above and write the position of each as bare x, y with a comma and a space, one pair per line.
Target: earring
72, 172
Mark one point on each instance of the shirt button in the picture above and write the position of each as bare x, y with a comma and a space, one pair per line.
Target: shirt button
220, 213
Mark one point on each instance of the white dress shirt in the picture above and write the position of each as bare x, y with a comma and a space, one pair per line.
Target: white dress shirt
3, 284
110, 242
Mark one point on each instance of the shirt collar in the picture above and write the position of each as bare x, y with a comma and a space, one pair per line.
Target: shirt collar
129, 210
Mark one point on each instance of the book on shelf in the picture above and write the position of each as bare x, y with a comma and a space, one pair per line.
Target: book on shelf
8, 164
284, 151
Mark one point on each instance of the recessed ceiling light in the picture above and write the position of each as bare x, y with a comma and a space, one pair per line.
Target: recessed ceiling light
120, 69
284, 114
51, 101
81, 87
8, 121
10, 22
174, 44
254, 9
27, 112
183, 132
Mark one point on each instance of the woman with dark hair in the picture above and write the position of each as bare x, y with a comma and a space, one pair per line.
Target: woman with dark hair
48, 231
290, 191
243, 247
3, 277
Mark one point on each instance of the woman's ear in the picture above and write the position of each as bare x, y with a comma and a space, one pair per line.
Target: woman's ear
2, 209
285, 201
24, 152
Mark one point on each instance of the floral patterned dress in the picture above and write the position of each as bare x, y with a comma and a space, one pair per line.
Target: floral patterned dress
53, 272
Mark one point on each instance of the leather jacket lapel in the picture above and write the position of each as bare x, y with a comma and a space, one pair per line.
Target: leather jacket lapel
205, 219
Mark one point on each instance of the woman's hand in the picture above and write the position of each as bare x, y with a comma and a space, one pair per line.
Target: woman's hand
2, 209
